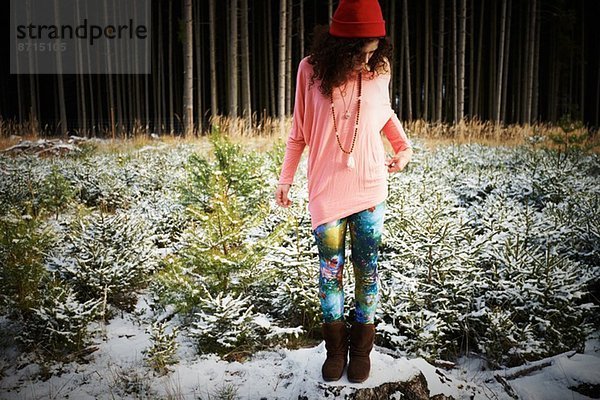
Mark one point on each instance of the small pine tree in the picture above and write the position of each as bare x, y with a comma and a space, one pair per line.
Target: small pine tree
59, 325
107, 257
98, 183
56, 191
226, 199
23, 246
163, 349
222, 323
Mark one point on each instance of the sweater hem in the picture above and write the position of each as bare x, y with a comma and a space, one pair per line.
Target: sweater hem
360, 207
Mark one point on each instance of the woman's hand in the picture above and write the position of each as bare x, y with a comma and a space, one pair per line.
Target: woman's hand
398, 161
281, 195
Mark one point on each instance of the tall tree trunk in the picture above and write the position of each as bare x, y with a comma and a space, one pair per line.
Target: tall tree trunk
101, 118
472, 59
500, 78
33, 98
462, 23
137, 96
170, 38
93, 122
118, 62
122, 101
146, 82
400, 78
188, 71
536, 64
582, 65
81, 103
256, 64
246, 93
126, 117
264, 67
59, 81
454, 63
158, 83
34, 107
199, 44
440, 69
418, 50
233, 59
288, 60
531, 62
80, 95
493, 53
506, 63
407, 60
273, 110
569, 79
214, 108
553, 79
521, 85
430, 46
426, 66
476, 106
282, 53
20, 105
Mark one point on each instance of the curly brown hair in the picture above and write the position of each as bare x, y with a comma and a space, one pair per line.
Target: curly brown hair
333, 58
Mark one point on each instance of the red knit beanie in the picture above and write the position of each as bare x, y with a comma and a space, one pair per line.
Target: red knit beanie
357, 19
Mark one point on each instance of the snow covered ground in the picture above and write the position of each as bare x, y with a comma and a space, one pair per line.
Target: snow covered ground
497, 189
117, 370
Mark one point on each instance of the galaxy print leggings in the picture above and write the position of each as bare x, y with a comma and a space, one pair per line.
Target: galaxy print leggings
365, 235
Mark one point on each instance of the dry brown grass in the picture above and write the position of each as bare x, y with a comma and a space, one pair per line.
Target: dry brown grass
488, 133
466, 132
469, 130
109, 145
258, 137
262, 133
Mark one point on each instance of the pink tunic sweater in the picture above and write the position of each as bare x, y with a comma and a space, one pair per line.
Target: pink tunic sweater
334, 190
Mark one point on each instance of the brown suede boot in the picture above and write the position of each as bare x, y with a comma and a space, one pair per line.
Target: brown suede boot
336, 343
361, 344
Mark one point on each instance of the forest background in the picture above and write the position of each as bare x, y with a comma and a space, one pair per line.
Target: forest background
506, 61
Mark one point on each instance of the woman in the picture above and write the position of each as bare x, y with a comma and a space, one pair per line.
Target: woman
341, 106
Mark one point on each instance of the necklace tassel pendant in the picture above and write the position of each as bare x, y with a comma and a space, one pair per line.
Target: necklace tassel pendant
350, 163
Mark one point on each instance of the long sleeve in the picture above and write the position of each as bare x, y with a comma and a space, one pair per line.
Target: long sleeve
395, 134
295, 141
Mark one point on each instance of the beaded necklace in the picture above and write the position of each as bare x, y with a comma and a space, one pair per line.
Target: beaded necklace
350, 162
